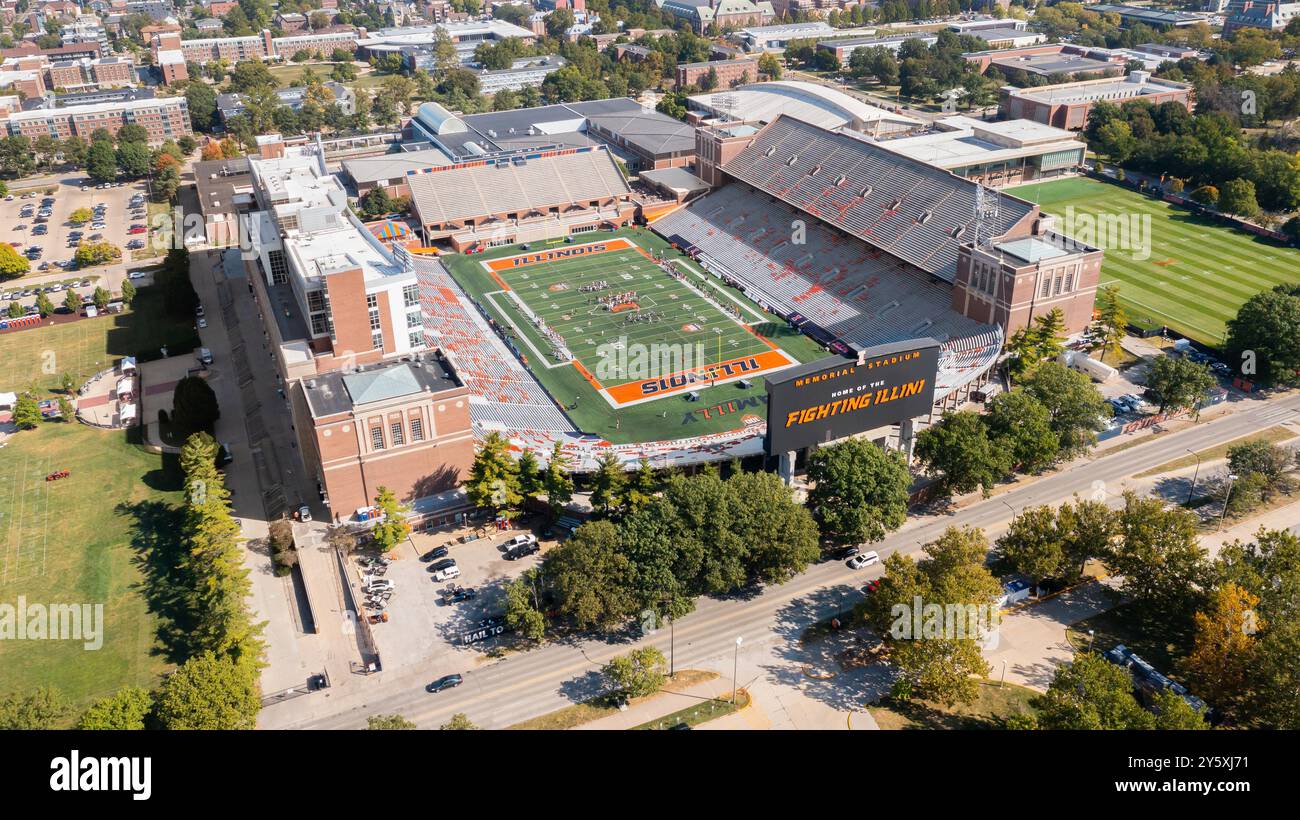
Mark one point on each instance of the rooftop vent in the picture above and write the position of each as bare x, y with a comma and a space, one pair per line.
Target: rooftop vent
792, 160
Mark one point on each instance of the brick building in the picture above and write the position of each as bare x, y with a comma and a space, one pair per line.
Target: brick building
403, 425
163, 118
729, 72
1067, 105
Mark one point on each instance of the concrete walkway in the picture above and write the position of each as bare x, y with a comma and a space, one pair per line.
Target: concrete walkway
664, 703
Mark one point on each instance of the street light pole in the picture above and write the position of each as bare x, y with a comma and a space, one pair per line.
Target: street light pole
1191, 492
1232, 479
735, 667
1009, 507
672, 647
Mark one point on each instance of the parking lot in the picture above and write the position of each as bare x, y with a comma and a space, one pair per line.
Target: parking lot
426, 631
19, 227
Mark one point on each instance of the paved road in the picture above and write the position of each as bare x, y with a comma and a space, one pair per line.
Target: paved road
521, 686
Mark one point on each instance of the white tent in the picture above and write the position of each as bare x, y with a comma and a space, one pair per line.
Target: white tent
127, 365
8, 400
124, 387
128, 413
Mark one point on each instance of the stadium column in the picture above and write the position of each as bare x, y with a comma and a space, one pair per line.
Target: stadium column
907, 439
787, 467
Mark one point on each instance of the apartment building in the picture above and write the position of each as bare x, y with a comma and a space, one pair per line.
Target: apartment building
163, 118
1067, 105
256, 46
728, 73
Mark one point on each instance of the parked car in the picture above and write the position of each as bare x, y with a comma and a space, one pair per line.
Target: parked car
443, 564
459, 594
844, 553
519, 541
447, 574
445, 682
865, 559
435, 553
379, 585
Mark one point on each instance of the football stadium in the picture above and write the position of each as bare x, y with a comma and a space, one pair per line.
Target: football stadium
655, 342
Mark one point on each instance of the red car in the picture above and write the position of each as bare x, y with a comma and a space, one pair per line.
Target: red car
137, 229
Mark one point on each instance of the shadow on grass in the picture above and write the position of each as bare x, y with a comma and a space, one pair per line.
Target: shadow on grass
159, 555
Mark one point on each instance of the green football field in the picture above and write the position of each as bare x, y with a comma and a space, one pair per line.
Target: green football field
672, 318
1187, 272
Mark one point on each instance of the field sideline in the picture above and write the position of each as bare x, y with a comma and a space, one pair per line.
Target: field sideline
1198, 272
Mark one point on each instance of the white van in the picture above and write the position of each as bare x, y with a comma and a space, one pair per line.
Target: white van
205, 355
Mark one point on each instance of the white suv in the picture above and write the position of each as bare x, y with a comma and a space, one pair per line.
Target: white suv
447, 574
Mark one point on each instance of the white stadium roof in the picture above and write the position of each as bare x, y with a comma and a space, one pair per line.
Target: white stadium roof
810, 102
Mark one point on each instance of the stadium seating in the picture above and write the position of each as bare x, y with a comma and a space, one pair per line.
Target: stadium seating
857, 293
917, 212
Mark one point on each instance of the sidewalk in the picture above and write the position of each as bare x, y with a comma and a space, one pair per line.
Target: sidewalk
664, 703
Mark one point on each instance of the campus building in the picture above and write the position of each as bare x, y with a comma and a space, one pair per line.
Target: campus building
1067, 105
995, 154
337, 295
402, 424
163, 118
725, 14
728, 73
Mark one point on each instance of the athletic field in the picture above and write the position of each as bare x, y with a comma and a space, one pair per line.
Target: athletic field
1176, 268
622, 331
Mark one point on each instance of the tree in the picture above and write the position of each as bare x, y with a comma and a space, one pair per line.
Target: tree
1115, 140
380, 722
186, 143
494, 476
607, 482
12, 263
458, 722
556, 482
1091, 693
959, 451
125, 709
1259, 457
80, 216
46, 708
128, 292
588, 577
1034, 546
250, 74
769, 64
101, 161
1179, 382
210, 692
67, 412
860, 491
44, 305
1076, 408
132, 133
101, 297
71, 302
640, 487
1020, 426
530, 475
392, 526
1263, 339
90, 254
27, 412
640, 673
1159, 556
1218, 668
523, 602
194, 406
1113, 320
1237, 197
955, 592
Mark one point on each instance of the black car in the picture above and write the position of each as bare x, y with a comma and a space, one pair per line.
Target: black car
445, 563
445, 682
844, 553
460, 594
436, 552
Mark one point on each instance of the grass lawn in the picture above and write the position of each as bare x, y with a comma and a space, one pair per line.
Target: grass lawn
1158, 641
85, 347
702, 712
551, 290
599, 707
994, 703
90, 538
1196, 273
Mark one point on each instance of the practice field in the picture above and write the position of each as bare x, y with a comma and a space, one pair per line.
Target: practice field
1178, 269
96, 537
620, 342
